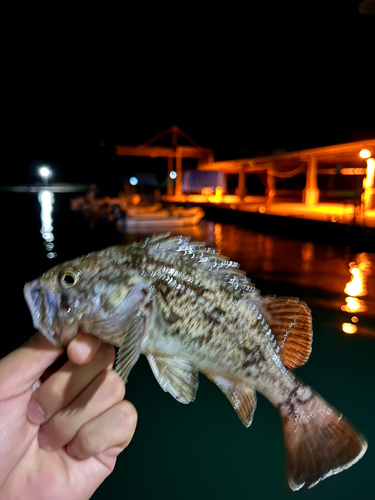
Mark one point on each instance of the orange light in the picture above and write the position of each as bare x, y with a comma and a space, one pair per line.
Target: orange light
365, 153
218, 233
214, 199
196, 198
349, 328
356, 285
353, 171
354, 305
207, 191
368, 181
219, 191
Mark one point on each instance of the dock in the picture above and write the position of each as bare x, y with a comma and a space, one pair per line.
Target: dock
343, 224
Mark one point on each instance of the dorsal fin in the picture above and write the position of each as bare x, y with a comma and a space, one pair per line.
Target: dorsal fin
227, 272
291, 325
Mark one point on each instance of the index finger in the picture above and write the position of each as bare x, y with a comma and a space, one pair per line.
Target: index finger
22, 367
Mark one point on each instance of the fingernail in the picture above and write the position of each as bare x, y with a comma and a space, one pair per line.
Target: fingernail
36, 385
35, 413
44, 442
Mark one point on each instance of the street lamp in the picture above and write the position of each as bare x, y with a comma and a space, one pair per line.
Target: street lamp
365, 153
45, 174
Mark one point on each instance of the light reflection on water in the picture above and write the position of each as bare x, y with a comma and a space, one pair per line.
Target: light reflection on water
307, 255
46, 199
360, 269
266, 247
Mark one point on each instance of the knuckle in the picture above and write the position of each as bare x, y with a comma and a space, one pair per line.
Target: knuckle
49, 396
50, 391
85, 440
58, 430
128, 415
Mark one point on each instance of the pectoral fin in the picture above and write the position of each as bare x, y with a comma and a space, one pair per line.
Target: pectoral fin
130, 348
242, 398
291, 324
176, 376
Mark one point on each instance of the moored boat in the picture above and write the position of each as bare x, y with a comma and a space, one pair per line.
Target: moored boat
165, 218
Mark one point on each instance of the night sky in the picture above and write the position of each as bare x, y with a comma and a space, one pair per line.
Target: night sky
279, 76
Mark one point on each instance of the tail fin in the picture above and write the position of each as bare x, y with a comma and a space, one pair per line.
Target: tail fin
318, 441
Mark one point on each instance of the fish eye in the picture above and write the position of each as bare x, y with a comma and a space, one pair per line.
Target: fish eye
69, 278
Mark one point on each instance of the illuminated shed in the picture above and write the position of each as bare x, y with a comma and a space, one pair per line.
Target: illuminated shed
307, 161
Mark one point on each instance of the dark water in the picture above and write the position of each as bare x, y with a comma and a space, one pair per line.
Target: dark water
202, 450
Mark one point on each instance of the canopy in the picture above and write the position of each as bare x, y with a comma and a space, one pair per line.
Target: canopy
194, 181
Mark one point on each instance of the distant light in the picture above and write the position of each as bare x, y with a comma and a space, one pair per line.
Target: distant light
133, 181
136, 199
45, 172
219, 191
368, 181
173, 174
349, 328
365, 153
207, 191
353, 171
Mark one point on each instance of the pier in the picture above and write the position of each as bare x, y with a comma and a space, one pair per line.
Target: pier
325, 193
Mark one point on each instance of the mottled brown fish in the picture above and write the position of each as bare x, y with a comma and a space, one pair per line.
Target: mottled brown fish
190, 310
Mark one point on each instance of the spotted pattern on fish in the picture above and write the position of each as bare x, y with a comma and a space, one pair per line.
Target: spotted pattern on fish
189, 310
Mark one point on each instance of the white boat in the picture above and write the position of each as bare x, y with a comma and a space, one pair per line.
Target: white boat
176, 217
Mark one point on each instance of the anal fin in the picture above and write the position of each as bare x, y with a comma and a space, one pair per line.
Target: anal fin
176, 376
242, 398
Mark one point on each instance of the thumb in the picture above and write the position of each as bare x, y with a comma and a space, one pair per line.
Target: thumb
22, 367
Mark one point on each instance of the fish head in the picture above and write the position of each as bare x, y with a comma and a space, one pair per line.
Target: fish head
90, 294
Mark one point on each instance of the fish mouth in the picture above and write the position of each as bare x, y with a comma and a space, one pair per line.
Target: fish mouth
42, 308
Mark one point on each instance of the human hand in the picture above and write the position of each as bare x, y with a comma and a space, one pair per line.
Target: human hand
60, 440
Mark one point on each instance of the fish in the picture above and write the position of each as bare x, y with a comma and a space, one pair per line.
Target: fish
190, 309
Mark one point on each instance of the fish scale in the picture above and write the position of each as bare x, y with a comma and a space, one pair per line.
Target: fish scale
201, 321
190, 309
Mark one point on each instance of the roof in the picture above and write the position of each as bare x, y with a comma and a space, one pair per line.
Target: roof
152, 150
327, 154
